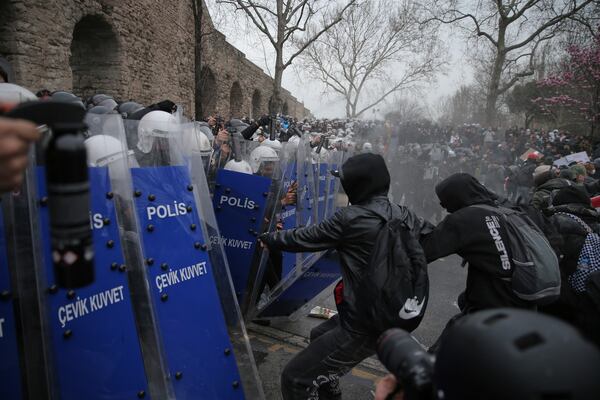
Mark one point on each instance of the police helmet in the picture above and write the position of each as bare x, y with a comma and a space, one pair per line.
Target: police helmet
262, 154
239, 166
154, 124
274, 144
194, 140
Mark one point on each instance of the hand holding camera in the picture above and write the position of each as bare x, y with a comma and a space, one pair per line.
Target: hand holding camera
15, 138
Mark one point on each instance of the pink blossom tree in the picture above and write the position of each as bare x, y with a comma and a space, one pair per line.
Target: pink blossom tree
573, 94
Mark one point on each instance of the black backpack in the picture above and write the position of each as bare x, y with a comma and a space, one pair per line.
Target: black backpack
394, 289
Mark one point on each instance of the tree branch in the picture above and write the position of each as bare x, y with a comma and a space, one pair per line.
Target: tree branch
310, 41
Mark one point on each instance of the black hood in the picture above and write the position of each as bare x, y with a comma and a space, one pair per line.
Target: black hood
572, 195
365, 176
462, 190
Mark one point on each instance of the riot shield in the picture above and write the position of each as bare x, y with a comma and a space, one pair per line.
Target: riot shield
333, 184
240, 201
246, 205
205, 344
320, 161
9, 368
306, 212
196, 141
110, 161
274, 265
312, 273
79, 343
26, 335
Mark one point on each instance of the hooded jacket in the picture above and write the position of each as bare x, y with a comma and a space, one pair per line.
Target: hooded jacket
542, 197
352, 230
477, 235
581, 309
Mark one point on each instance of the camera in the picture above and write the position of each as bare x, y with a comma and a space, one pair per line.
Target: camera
65, 157
409, 362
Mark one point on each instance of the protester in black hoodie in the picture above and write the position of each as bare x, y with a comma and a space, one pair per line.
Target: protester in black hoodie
342, 342
477, 235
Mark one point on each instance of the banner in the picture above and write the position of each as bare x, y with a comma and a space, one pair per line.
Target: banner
581, 157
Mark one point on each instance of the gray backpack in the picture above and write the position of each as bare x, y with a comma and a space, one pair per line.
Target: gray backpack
536, 273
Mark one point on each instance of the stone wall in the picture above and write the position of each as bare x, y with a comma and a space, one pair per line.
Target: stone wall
227, 73
132, 49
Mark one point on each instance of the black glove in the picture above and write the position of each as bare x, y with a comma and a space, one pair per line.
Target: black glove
264, 120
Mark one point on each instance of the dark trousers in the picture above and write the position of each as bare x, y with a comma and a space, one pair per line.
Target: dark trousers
333, 351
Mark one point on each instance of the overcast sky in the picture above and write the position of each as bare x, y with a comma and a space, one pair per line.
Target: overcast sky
244, 36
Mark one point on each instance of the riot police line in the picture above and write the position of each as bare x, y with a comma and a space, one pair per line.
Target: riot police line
132, 244
151, 298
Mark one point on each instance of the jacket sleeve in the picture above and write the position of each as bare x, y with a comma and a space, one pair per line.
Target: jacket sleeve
326, 235
249, 131
442, 241
592, 187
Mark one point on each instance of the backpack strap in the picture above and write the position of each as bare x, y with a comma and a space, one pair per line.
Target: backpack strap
498, 209
578, 220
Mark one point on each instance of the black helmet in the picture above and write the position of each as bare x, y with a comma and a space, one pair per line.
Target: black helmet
66, 97
97, 99
99, 110
129, 107
108, 103
235, 122
515, 354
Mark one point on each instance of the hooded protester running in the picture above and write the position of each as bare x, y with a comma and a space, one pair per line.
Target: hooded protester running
479, 237
339, 344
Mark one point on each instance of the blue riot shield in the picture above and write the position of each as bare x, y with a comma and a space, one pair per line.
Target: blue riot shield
297, 295
204, 340
307, 274
9, 368
306, 211
240, 204
314, 273
93, 331
84, 323
288, 211
321, 171
25, 295
333, 184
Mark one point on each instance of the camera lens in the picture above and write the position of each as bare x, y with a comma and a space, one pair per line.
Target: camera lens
408, 361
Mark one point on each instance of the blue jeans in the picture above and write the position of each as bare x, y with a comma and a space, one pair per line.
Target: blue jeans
333, 351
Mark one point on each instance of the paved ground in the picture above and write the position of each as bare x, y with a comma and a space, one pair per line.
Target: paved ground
275, 345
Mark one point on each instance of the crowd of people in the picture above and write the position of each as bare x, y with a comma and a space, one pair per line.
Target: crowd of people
550, 178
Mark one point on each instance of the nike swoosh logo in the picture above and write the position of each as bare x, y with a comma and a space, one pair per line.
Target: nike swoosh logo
412, 308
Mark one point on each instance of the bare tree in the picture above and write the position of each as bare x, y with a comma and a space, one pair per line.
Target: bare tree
403, 109
290, 26
462, 107
377, 50
509, 32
